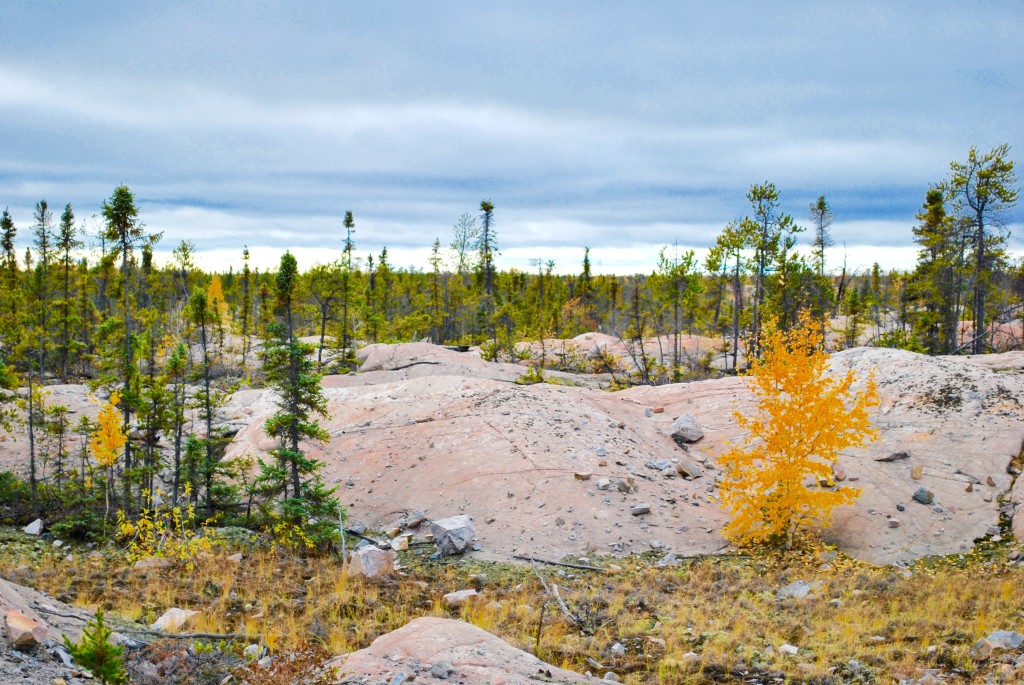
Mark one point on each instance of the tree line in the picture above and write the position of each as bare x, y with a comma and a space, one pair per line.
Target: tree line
172, 340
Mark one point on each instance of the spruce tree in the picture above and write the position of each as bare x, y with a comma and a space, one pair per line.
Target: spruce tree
306, 503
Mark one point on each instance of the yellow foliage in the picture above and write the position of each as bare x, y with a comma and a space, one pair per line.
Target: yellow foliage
804, 419
110, 436
215, 296
165, 532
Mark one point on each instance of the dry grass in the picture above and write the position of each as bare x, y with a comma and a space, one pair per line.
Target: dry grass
722, 609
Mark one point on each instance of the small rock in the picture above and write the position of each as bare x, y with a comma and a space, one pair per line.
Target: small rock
894, 523
172, 620
995, 642
917, 471
901, 507
459, 597
34, 528
797, 589
618, 649
990, 481
611, 677
992, 530
838, 472
23, 632
581, 475
400, 543
253, 652
895, 456
441, 669
924, 496
685, 429
236, 558
659, 465
789, 649
639, 509
689, 469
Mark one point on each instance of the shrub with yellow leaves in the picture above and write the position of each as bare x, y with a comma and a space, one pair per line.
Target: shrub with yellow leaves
773, 481
164, 532
107, 442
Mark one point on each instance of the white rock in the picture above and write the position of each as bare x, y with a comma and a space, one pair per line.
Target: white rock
789, 649
34, 528
459, 597
172, 620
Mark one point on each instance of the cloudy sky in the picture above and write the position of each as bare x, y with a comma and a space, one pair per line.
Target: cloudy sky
622, 126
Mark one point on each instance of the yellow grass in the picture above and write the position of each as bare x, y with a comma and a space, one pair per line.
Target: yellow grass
723, 609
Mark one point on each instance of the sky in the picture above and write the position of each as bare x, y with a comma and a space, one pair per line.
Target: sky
624, 127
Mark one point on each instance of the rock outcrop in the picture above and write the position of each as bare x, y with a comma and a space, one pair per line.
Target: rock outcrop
440, 649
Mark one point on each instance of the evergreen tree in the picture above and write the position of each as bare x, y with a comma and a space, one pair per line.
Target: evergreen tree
983, 189
67, 243
306, 503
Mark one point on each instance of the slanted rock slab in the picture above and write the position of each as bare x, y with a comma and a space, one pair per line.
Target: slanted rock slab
34, 528
468, 654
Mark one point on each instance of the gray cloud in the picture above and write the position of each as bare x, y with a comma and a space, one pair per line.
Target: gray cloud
619, 127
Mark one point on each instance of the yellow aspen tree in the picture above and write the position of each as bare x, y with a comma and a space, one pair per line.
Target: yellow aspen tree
804, 419
108, 441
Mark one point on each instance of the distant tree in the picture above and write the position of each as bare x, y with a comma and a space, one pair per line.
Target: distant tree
326, 287
770, 235
487, 248
821, 219
245, 306
983, 189
124, 232
727, 255
67, 242
804, 419
347, 278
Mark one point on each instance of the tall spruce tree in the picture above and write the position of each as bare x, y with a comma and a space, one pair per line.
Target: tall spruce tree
307, 503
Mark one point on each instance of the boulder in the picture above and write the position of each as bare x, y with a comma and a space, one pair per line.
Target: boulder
685, 429
688, 469
23, 632
172, 620
998, 641
452, 535
371, 562
448, 649
34, 528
